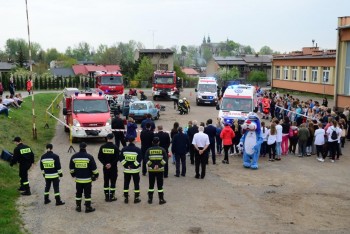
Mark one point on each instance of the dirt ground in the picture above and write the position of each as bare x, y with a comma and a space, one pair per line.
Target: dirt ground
294, 195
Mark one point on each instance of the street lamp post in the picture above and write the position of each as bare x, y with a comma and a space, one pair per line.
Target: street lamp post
30, 74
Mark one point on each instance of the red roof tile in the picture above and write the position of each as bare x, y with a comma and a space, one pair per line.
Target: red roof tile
189, 71
112, 68
79, 69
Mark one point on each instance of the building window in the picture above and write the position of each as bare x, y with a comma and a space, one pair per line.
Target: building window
347, 70
163, 67
314, 73
285, 73
325, 74
294, 73
278, 72
303, 73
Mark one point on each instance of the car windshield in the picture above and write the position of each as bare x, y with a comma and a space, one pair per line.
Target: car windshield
237, 104
111, 80
90, 106
164, 80
138, 106
211, 88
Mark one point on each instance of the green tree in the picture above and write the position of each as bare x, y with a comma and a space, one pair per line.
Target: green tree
257, 76
207, 54
265, 50
67, 61
228, 73
179, 72
145, 71
21, 59
52, 54
247, 50
81, 52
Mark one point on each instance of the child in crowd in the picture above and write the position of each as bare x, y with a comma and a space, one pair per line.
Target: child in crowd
278, 140
293, 137
310, 139
303, 136
264, 136
319, 141
271, 142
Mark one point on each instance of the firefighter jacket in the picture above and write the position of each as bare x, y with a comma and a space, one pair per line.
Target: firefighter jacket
131, 158
22, 154
156, 156
83, 167
50, 165
109, 154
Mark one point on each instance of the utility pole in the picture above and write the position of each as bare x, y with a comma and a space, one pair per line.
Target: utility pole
153, 31
30, 74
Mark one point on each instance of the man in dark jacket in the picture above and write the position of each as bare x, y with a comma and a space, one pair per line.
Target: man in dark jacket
51, 168
118, 124
190, 132
146, 137
150, 121
83, 168
164, 141
156, 157
179, 148
24, 155
210, 130
131, 158
109, 157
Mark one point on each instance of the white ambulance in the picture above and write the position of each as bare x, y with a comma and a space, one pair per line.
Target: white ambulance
207, 91
237, 102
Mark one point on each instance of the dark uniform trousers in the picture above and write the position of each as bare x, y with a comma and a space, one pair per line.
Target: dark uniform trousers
23, 174
153, 176
201, 160
192, 153
119, 138
166, 167
110, 179
127, 179
83, 188
56, 186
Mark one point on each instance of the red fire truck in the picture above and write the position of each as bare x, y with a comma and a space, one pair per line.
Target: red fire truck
111, 83
164, 84
88, 113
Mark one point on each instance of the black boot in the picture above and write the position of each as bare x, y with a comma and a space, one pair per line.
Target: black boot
78, 207
137, 198
112, 197
47, 200
126, 198
161, 199
26, 192
106, 197
59, 202
88, 208
150, 197
21, 188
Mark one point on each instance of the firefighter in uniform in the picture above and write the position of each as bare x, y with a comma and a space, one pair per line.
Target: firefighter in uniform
131, 158
51, 168
109, 156
156, 159
83, 167
24, 155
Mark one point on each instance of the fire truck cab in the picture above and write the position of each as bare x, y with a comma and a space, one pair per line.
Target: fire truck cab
87, 112
111, 83
164, 84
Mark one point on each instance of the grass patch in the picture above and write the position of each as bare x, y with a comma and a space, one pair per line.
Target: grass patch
299, 93
21, 125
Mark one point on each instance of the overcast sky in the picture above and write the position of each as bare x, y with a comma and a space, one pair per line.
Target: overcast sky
284, 25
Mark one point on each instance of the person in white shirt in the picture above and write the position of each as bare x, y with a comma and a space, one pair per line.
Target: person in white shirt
278, 139
263, 149
4, 109
319, 141
271, 141
333, 133
201, 143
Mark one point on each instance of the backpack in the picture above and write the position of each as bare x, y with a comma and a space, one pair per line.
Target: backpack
295, 132
334, 135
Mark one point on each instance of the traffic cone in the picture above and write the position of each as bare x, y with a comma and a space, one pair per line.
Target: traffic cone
138, 139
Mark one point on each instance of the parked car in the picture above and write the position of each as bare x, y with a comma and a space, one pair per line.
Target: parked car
139, 110
268, 83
